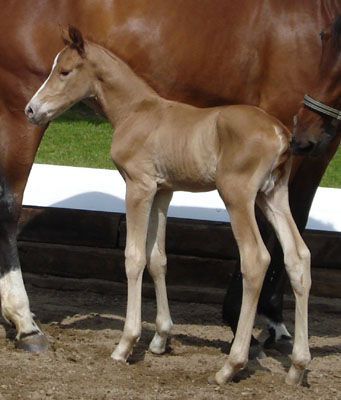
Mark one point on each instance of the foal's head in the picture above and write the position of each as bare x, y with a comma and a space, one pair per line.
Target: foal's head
71, 79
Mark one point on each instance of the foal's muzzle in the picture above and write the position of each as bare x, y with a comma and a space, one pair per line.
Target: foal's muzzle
34, 115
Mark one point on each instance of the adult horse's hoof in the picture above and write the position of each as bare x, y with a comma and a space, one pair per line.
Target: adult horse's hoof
282, 345
279, 338
256, 352
36, 343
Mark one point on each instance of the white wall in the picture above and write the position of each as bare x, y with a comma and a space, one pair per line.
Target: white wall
104, 190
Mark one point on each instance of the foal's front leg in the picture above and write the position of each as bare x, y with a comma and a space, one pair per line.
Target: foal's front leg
157, 266
139, 201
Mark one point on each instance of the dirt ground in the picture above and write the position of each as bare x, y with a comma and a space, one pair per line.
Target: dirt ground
83, 328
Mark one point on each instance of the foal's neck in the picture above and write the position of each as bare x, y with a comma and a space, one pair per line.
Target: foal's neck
119, 90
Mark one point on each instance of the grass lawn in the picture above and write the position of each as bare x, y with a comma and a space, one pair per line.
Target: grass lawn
78, 138
82, 139
332, 177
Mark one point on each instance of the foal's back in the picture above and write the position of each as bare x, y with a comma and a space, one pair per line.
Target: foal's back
190, 145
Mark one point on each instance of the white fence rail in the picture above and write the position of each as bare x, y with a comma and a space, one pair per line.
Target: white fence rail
104, 190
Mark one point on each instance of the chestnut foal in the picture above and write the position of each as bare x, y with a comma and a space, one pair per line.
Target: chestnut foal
161, 146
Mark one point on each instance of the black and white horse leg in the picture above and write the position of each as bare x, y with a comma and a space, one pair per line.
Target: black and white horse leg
15, 306
157, 266
271, 302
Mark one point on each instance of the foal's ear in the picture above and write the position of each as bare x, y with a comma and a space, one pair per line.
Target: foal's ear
76, 39
65, 35
73, 37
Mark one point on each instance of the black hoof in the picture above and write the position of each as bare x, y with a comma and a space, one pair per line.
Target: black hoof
283, 345
36, 343
256, 350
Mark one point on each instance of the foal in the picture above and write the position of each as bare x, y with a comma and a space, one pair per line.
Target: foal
161, 146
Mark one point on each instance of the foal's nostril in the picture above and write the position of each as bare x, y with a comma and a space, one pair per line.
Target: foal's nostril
29, 111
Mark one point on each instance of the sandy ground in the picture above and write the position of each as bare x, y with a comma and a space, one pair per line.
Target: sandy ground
84, 327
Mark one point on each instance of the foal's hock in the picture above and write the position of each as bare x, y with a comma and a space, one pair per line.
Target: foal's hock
161, 146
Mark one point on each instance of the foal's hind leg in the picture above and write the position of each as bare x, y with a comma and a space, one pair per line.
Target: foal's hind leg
297, 263
157, 266
254, 262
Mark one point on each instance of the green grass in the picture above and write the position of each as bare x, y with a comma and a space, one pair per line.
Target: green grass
332, 176
78, 138
81, 138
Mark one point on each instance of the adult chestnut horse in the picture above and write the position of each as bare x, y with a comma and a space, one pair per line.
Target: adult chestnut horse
317, 120
206, 53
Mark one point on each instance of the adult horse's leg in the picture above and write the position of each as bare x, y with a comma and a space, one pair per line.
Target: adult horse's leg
254, 262
297, 263
157, 266
19, 141
139, 200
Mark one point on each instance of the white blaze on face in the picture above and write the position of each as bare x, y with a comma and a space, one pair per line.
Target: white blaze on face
44, 84
35, 103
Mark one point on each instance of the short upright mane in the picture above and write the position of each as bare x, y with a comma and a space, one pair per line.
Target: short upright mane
106, 51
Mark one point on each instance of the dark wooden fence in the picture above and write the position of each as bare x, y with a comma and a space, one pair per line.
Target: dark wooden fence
89, 246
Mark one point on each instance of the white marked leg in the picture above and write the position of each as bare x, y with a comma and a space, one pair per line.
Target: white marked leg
138, 205
157, 266
15, 305
279, 329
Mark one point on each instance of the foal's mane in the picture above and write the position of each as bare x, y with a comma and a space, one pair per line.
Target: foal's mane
106, 51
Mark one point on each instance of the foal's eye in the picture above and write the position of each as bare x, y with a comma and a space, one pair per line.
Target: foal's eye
64, 73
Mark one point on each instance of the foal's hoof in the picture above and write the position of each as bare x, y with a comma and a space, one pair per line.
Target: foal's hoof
36, 343
212, 380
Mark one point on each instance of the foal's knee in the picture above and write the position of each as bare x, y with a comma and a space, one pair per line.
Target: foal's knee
157, 263
134, 264
298, 267
254, 269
